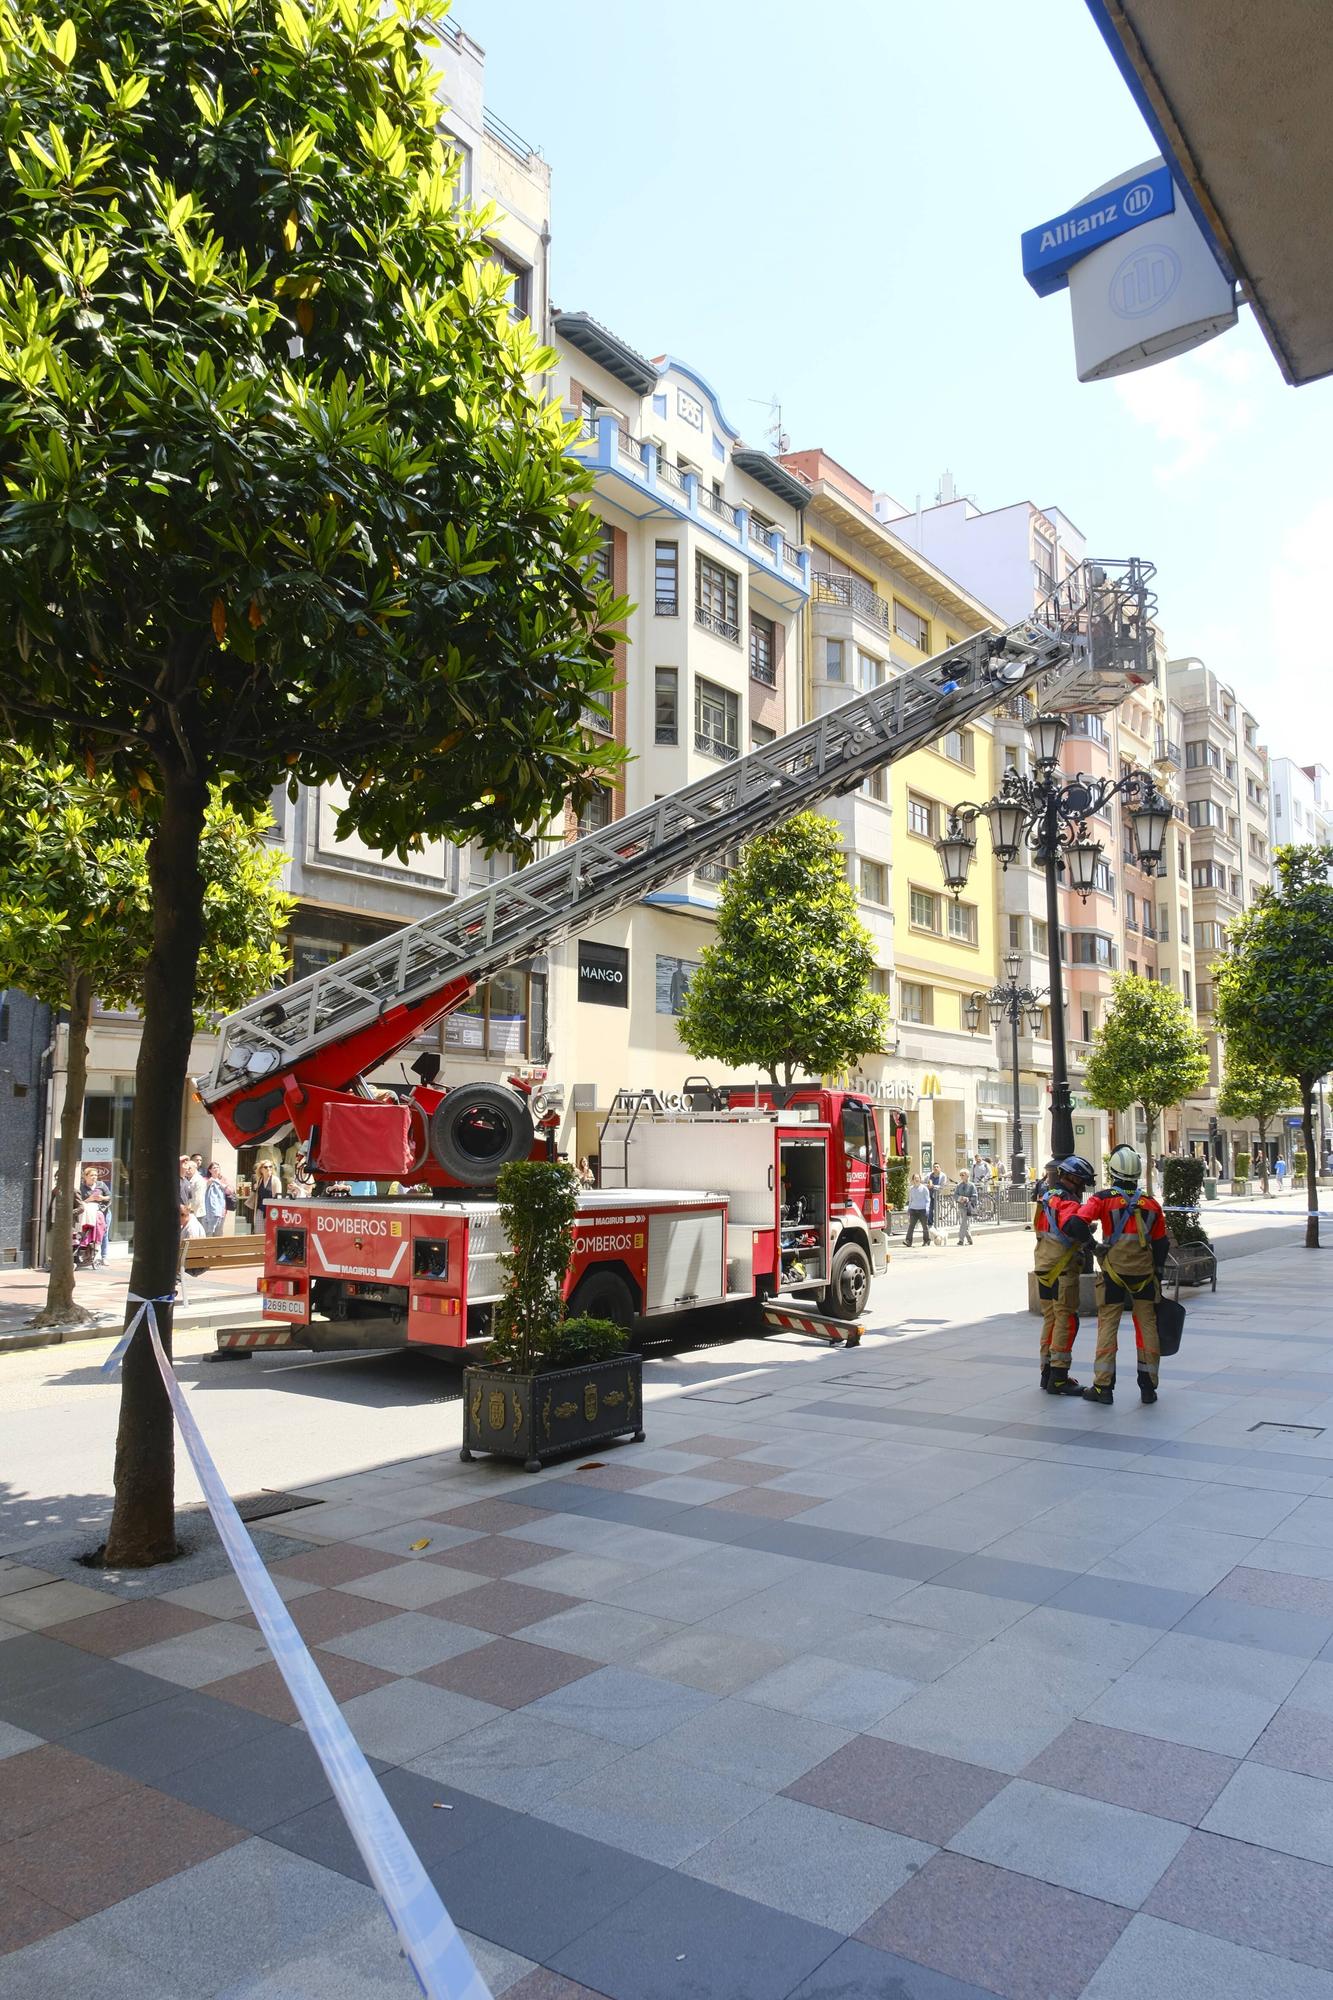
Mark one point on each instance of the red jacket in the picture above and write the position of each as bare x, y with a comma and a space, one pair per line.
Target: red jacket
1105, 1206
1066, 1210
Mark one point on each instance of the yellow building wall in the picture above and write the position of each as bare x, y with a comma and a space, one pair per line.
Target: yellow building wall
951, 967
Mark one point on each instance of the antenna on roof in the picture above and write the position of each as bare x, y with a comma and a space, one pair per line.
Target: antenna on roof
778, 441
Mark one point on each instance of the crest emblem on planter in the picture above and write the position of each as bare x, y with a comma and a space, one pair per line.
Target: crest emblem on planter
495, 1409
590, 1402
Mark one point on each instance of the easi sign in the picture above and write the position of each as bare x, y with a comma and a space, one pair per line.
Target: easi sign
1050, 248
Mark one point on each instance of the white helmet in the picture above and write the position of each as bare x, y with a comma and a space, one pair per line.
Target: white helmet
1126, 1166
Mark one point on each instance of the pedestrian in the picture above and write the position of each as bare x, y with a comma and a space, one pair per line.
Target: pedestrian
918, 1210
301, 1182
1281, 1171
95, 1199
965, 1201
980, 1172
192, 1186
191, 1226
1057, 1258
1135, 1245
215, 1200
267, 1188
587, 1178
935, 1182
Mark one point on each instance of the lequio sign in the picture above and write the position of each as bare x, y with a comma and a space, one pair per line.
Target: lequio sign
604, 974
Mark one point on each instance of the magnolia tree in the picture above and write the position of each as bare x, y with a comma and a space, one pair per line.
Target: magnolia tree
1250, 1092
280, 504
1148, 1052
1275, 990
786, 984
76, 922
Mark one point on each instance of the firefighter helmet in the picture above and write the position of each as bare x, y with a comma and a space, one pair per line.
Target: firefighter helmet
1126, 1166
1077, 1169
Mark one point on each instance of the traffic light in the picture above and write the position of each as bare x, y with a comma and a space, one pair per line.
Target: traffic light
1212, 1128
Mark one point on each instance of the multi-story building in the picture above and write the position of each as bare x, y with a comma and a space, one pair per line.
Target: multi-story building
25, 1038
1226, 786
1301, 802
347, 894
876, 607
703, 534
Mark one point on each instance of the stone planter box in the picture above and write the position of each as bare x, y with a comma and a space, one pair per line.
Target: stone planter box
1191, 1264
534, 1418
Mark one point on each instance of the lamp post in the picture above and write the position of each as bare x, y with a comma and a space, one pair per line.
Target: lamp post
1048, 815
1011, 1002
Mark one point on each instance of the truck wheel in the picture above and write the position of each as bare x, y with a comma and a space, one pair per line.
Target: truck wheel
849, 1283
477, 1129
604, 1295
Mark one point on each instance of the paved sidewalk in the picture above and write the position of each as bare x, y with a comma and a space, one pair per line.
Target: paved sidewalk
869, 1674
215, 1298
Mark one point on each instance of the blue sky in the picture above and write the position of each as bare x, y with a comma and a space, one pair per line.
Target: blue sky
824, 204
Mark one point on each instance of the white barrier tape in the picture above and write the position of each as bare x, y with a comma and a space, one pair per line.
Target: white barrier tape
435, 1951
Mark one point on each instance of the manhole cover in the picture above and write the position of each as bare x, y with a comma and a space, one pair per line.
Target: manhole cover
728, 1396
1292, 1430
257, 1506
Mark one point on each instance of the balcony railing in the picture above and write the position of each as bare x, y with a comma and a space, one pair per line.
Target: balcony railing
759, 534
670, 475
791, 555
1021, 707
709, 745
712, 623
763, 670
597, 718
717, 505
630, 446
666, 607
712, 871
851, 593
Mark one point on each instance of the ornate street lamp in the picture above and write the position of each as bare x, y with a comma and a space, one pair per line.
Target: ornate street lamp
1047, 815
1010, 1002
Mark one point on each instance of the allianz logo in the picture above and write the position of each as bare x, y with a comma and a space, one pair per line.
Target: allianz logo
1135, 202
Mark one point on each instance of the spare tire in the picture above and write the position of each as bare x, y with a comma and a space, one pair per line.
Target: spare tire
479, 1128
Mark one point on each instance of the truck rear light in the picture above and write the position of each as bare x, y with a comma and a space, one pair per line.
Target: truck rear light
280, 1288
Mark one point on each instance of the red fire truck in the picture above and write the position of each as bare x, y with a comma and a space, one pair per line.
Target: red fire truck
744, 1194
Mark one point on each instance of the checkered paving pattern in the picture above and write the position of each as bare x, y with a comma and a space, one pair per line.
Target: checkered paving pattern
886, 1680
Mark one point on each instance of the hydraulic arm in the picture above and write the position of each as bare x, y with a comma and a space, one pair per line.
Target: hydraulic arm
1081, 650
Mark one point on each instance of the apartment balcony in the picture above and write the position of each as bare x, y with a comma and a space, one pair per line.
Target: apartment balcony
722, 628
715, 747
644, 485
850, 594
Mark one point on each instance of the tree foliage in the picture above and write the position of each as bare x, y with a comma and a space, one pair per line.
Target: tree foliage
1147, 1051
76, 921
279, 504
786, 984
1249, 1091
1275, 989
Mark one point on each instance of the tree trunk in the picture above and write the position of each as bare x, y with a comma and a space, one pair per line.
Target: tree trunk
60, 1305
1311, 1166
143, 1523
1263, 1151
1150, 1125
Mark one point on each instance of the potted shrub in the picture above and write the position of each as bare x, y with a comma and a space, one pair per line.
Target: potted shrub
896, 1180
1192, 1258
550, 1384
1240, 1172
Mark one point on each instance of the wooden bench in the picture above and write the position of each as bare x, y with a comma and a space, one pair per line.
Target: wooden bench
219, 1253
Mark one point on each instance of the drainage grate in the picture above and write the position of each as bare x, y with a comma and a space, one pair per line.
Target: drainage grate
258, 1506
1292, 1430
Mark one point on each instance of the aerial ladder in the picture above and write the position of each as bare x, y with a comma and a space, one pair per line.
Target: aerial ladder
299, 1057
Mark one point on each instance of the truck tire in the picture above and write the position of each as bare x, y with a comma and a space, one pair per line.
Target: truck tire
848, 1287
479, 1128
604, 1295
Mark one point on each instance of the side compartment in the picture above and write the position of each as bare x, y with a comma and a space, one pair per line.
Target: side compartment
438, 1286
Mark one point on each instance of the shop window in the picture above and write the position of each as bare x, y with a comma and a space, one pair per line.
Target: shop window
495, 1020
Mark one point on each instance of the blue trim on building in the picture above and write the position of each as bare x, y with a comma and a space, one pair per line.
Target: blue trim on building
670, 365
666, 899
1100, 12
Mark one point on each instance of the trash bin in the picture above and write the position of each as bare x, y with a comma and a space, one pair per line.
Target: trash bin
1210, 1190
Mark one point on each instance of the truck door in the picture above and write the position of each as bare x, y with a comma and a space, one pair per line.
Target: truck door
863, 1165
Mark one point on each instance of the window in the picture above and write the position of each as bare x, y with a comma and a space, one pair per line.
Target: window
759, 735
1015, 934
1210, 937
879, 981
962, 921
1087, 1025
1180, 859
1235, 884
597, 811
666, 579
321, 937
910, 625
869, 670
518, 291
1163, 924
718, 599
1185, 982
1131, 910
602, 557
923, 910
1092, 948
763, 650
589, 410
920, 816
667, 699
493, 1020
833, 659
1205, 996
1041, 937
1134, 967
960, 746
876, 787
1230, 767
1206, 813
1184, 925
1201, 755
1104, 880
1233, 829
717, 720
874, 882
915, 1003
1163, 976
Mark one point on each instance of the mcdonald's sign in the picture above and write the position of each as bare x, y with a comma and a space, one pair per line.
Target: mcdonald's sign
930, 1085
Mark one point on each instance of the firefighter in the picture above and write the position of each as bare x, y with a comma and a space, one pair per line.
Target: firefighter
1132, 1253
1058, 1260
